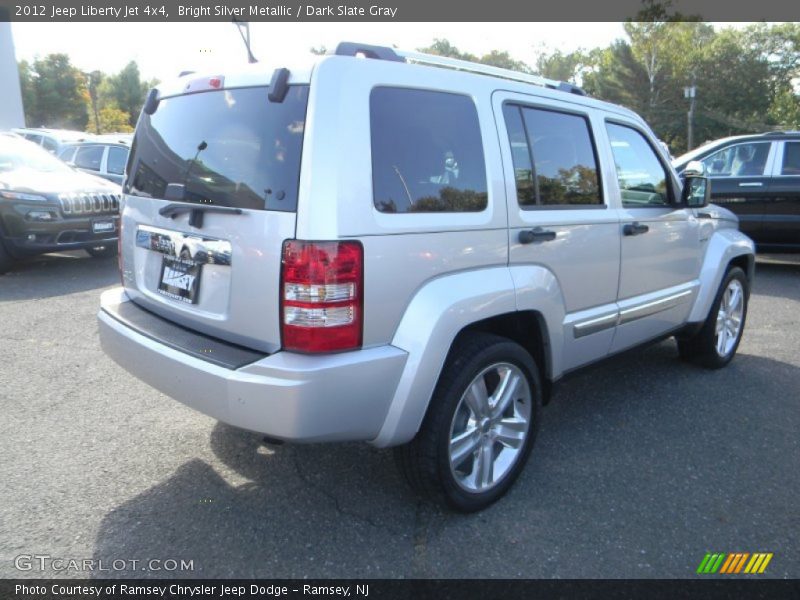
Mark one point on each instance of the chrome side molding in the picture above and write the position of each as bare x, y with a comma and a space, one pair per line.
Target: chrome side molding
595, 324
651, 308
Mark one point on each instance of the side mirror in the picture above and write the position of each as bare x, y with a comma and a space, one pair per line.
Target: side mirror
696, 191
694, 167
151, 102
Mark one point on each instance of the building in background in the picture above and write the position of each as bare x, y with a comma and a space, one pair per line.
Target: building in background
11, 113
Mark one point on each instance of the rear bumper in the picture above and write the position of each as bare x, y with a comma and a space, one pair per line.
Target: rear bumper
336, 397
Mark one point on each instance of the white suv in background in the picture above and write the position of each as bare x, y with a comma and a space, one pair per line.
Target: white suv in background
104, 156
407, 250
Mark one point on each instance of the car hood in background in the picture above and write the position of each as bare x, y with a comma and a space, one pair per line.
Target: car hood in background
46, 182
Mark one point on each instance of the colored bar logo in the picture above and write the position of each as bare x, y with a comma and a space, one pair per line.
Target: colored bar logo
733, 563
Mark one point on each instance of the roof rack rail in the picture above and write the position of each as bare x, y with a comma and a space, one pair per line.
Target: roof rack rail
385, 53
473, 67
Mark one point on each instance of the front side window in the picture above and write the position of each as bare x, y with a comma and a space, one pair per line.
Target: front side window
67, 154
741, 160
553, 156
89, 157
427, 152
643, 180
791, 159
520, 156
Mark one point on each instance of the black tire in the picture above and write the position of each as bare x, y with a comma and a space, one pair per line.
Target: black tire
6, 260
425, 461
104, 251
701, 348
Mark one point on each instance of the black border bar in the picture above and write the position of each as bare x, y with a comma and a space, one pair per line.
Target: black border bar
385, 10
416, 589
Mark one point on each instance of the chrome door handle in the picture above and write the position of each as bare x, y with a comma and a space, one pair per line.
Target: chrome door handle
751, 184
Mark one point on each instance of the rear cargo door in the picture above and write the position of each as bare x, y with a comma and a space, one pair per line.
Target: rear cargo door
210, 196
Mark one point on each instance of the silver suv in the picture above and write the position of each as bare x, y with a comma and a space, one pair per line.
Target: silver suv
407, 250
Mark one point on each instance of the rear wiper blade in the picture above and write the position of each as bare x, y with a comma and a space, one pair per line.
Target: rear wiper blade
196, 212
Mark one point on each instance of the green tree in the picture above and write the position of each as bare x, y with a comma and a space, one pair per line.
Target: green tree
784, 110
126, 91
725, 109
495, 58
564, 66
443, 47
60, 94
26, 81
111, 119
779, 46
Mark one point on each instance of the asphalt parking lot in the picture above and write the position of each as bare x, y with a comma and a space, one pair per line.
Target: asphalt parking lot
641, 467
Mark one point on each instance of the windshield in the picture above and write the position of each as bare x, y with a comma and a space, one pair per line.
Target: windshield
228, 148
18, 154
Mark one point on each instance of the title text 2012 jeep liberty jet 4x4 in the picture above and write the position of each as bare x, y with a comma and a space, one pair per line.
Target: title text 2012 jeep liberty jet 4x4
407, 250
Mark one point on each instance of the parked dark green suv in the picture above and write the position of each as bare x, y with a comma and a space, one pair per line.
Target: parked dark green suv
46, 206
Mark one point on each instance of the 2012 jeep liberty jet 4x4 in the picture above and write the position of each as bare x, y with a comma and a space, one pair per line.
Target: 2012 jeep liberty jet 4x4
407, 250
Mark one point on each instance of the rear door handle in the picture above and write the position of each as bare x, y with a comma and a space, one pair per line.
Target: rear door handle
635, 228
752, 184
537, 234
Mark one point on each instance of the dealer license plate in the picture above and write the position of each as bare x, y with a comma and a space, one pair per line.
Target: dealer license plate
180, 279
103, 226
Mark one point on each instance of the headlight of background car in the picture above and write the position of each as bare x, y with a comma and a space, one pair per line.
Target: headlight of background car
22, 196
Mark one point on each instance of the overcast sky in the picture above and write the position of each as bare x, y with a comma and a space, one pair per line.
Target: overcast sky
163, 50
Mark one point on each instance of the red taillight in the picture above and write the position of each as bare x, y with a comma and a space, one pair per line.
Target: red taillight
322, 295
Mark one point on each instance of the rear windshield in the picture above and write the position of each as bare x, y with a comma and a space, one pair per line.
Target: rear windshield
228, 148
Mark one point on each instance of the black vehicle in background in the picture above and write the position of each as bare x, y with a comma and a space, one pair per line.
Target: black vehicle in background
47, 206
758, 178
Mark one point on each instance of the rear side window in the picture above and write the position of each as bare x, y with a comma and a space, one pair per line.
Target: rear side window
49, 144
791, 159
89, 157
228, 147
643, 180
554, 158
67, 154
117, 157
427, 152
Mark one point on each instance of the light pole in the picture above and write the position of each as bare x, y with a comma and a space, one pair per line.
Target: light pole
689, 93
